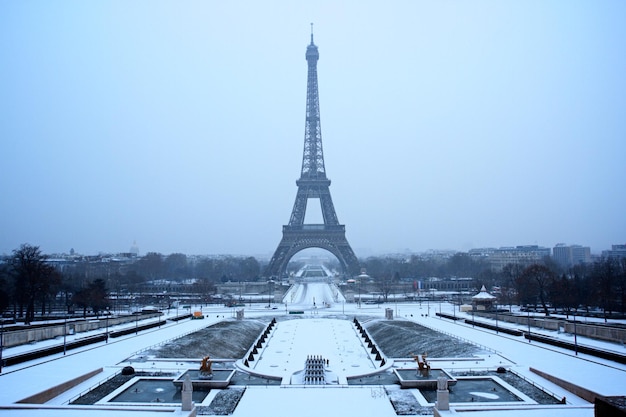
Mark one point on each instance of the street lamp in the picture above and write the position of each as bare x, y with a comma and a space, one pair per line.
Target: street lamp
496, 317
1, 338
361, 278
395, 300
528, 310
65, 334
106, 336
454, 307
575, 337
269, 291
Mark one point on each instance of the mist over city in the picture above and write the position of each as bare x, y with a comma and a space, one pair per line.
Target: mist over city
327, 208
446, 126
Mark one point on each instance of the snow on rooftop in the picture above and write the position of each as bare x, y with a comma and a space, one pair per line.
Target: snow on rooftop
483, 295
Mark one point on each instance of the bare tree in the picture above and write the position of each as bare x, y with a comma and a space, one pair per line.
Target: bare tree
33, 277
5, 288
509, 276
94, 295
534, 283
620, 285
607, 273
151, 266
176, 266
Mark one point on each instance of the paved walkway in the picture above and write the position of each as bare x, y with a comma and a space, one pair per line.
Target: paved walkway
331, 338
23, 380
293, 341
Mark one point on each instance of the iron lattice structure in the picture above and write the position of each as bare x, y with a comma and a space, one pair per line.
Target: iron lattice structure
313, 184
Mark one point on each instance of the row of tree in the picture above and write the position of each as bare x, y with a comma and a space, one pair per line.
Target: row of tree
544, 284
29, 282
598, 285
178, 266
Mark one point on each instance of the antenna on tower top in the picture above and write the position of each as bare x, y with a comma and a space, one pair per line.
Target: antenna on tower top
311, 33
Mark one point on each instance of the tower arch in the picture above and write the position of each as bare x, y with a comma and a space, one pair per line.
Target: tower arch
313, 184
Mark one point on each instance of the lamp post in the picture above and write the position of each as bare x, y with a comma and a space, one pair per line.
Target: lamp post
575, 337
361, 278
496, 317
528, 310
65, 334
269, 292
395, 299
419, 294
1, 338
454, 307
106, 335
428, 300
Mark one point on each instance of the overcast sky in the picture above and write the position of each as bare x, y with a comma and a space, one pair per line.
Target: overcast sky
180, 124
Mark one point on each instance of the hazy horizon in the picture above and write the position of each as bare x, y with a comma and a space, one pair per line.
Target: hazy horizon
445, 125
362, 253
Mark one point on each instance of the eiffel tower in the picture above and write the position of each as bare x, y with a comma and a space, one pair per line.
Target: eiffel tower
313, 184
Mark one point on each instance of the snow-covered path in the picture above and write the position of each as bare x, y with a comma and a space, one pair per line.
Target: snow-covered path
602, 376
598, 375
308, 295
336, 340
315, 402
23, 380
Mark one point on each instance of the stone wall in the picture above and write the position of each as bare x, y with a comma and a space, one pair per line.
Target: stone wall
46, 395
548, 324
610, 334
582, 392
36, 334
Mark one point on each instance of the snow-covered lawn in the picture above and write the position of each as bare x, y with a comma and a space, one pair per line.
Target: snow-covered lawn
320, 332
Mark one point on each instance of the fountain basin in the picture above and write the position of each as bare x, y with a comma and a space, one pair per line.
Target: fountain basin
480, 390
413, 378
221, 379
155, 391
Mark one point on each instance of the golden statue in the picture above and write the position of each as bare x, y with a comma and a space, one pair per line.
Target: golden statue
422, 364
205, 367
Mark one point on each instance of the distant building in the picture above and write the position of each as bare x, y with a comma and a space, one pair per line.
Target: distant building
617, 251
453, 284
134, 249
518, 255
481, 253
568, 256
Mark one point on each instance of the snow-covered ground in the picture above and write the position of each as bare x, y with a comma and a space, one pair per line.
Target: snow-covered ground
315, 334
334, 340
309, 295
